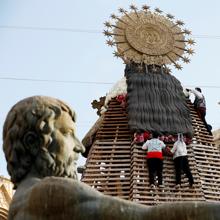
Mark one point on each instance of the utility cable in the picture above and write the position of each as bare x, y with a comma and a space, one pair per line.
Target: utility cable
78, 30
55, 81
88, 82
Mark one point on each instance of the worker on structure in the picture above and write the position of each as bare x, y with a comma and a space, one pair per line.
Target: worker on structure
181, 161
200, 106
154, 157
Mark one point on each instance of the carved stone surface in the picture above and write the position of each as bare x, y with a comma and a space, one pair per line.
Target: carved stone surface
41, 149
150, 37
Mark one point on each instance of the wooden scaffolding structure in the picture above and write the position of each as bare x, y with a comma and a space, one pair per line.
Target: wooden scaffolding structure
117, 168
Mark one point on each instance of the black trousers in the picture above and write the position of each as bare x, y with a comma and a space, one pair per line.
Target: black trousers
202, 113
155, 167
181, 164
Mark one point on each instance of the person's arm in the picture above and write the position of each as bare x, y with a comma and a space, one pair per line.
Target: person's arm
173, 150
163, 145
145, 145
186, 92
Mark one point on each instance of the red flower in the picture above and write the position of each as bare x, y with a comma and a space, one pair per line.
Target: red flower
122, 99
146, 135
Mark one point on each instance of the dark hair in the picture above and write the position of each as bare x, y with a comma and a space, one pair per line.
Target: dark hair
155, 134
198, 89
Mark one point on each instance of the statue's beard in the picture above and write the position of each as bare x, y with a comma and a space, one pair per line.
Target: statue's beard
47, 164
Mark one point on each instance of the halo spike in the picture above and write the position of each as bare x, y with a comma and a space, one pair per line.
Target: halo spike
117, 54
191, 41
120, 42
108, 24
145, 8
121, 10
181, 48
158, 10
167, 69
110, 43
186, 59
133, 7
119, 19
170, 16
186, 31
110, 34
178, 66
180, 23
125, 12
107, 33
113, 16
190, 51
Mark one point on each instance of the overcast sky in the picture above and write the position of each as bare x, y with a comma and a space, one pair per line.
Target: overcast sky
61, 40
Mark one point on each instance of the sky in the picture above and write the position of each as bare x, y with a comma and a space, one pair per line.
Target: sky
56, 48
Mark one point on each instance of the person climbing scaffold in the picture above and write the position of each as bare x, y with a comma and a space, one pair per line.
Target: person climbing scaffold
181, 161
200, 106
154, 157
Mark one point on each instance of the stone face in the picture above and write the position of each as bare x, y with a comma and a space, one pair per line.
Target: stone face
41, 148
39, 137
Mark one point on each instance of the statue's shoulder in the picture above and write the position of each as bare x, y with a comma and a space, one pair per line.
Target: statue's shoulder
52, 196
60, 192
66, 185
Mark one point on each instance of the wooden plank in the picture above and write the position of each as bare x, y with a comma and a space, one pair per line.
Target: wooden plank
113, 178
107, 165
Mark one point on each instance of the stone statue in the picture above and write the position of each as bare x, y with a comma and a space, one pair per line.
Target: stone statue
41, 149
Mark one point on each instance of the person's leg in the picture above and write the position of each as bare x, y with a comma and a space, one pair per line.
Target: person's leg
160, 171
202, 113
151, 169
187, 171
199, 113
178, 167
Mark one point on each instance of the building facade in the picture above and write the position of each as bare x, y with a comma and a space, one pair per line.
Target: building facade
6, 193
216, 135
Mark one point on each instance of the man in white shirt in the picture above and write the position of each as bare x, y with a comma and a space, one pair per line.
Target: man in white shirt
199, 102
181, 161
154, 158
200, 106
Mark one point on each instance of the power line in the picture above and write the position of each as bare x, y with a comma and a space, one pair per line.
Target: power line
54, 81
78, 30
216, 37
203, 86
87, 82
75, 30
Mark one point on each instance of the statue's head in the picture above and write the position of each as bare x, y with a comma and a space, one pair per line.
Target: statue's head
39, 139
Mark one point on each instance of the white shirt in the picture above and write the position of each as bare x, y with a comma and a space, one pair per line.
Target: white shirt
179, 149
197, 93
153, 145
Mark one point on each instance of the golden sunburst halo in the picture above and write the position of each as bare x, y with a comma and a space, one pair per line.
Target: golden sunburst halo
149, 37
